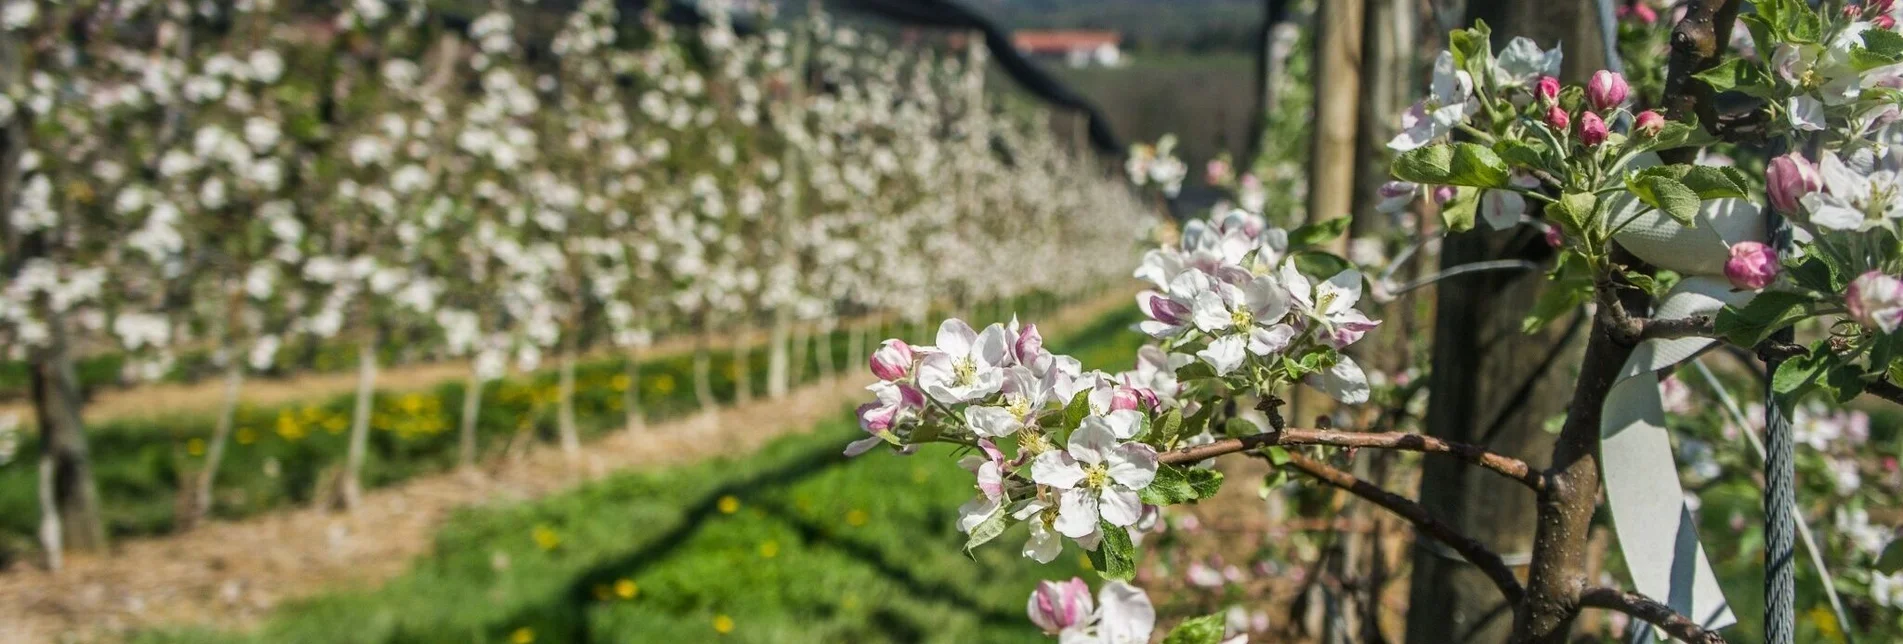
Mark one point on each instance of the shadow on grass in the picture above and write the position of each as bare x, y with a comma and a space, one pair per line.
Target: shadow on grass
564, 617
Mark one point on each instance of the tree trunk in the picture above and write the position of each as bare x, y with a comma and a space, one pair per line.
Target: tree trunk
472, 412
350, 484
1331, 178
742, 371
1492, 384
776, 361
631, 398
824, 340
201, 501
855, 346
703, 387
72, 518
801, 342
1267, 72
565, 429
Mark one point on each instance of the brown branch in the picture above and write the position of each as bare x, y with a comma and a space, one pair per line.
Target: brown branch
1475, 552
1697, 43
1652, 612
1886, 390
1501, 464
1672, 329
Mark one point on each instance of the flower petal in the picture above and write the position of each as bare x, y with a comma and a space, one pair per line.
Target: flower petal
1078, 514
956, 338
1126, 613
1092, 441
1057, 470
994, 422
1133, 465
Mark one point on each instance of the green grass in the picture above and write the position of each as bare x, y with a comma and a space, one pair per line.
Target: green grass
281, 454
794, 543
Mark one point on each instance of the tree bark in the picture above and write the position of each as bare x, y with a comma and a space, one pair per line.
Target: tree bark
801, 343
350, 483
824, 348
63, 453
1491, 383
855, 346
776, 361
703, 387
1331, 178
631, 398
742, 370
200, 506
565, 429
472, 412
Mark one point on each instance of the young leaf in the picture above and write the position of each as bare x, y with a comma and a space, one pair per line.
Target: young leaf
1521, 154
1667, 195
1207, 629
1205, 482
1170, 487
1317, 233
1237, 428
1078, 408
1711, 182
1168, 428
1458, 215
1476, 165
1797, 374
1429, 165
1768, 312
990, 529
1114, 558
1740, 76
1892, 558
1573, 211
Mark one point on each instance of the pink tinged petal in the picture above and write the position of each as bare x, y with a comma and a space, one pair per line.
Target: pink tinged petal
1344, 382
1210, 313
1122, 424
974, 512
1030, 509
1268, 302
991, 450
1158, 330
1270, 341
956, 338
1345, 286
875, 418
994, 422
1078, 514
1502, 208
991, 480
862, 445
1297, 285
1126, 615
1056, 469
1044, 544
1226, 354
1092, 442
992, 348
1120, 506
1133, 465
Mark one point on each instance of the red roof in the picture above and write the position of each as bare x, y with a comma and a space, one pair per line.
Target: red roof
1057, 42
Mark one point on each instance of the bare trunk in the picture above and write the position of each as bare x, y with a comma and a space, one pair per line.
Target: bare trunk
776, 361
71, 519
50, 537
472, 412
201, 501
703, 363
565, 429
1331, 176
825, 349
801, 341
742, 371
855, 346
350, 483
631, 397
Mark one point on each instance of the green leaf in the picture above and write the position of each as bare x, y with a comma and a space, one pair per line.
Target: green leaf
1314, 262
1740, 76
1711, 182
1198, 370
1207, 629
1817, 274
1667, 195
1458, 214
1198, 422
1170, 487
1277, 455
1114, 557
1168, 428
1237, 428
1476, 165
1521, 153
1845, 382
1768, 312
990, 529
1318, 233
1559, 299
1205, 482
1892, 558
1078, 408
1573, 212
1797, 374
1429, 165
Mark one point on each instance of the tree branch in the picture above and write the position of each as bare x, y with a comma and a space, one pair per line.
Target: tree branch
1501, 464
1474, 551
1697, 43
1645, 608
1886, 390
1672, 329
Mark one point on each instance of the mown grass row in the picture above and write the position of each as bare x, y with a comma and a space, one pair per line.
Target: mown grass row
283, 455
794, 543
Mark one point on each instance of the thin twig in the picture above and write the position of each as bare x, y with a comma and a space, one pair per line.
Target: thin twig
1476, 553
1501, 464
1672, 329
1652, 612
1886, 390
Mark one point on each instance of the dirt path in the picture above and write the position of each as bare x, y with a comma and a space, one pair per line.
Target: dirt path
230, 574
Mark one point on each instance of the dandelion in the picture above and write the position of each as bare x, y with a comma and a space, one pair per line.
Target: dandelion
856, 518
545, 537
770, 549
723, 624
524, 635
625, 589
195, 447
728, 504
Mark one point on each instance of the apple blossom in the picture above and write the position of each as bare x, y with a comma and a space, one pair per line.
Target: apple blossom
964, 365
1606, 90
1547, 91
1122, 613
1592, 129
1790, 178
1648, 123
1450, 102
1875, 300
893, 360
990, 500
1099, 477
1558, 119
1752, 265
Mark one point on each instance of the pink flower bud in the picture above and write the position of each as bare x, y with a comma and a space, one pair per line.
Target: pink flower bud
876, 417
1558, 119
1030, 343
1167, 311
1875, 301
1649, 123
1124, 398
1555, 238
1788, 179
892, 361
1592, 129
1444, 194
1547, 90
1217, 172
1752, 265
1058, 605
1606, 90
1644, 13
